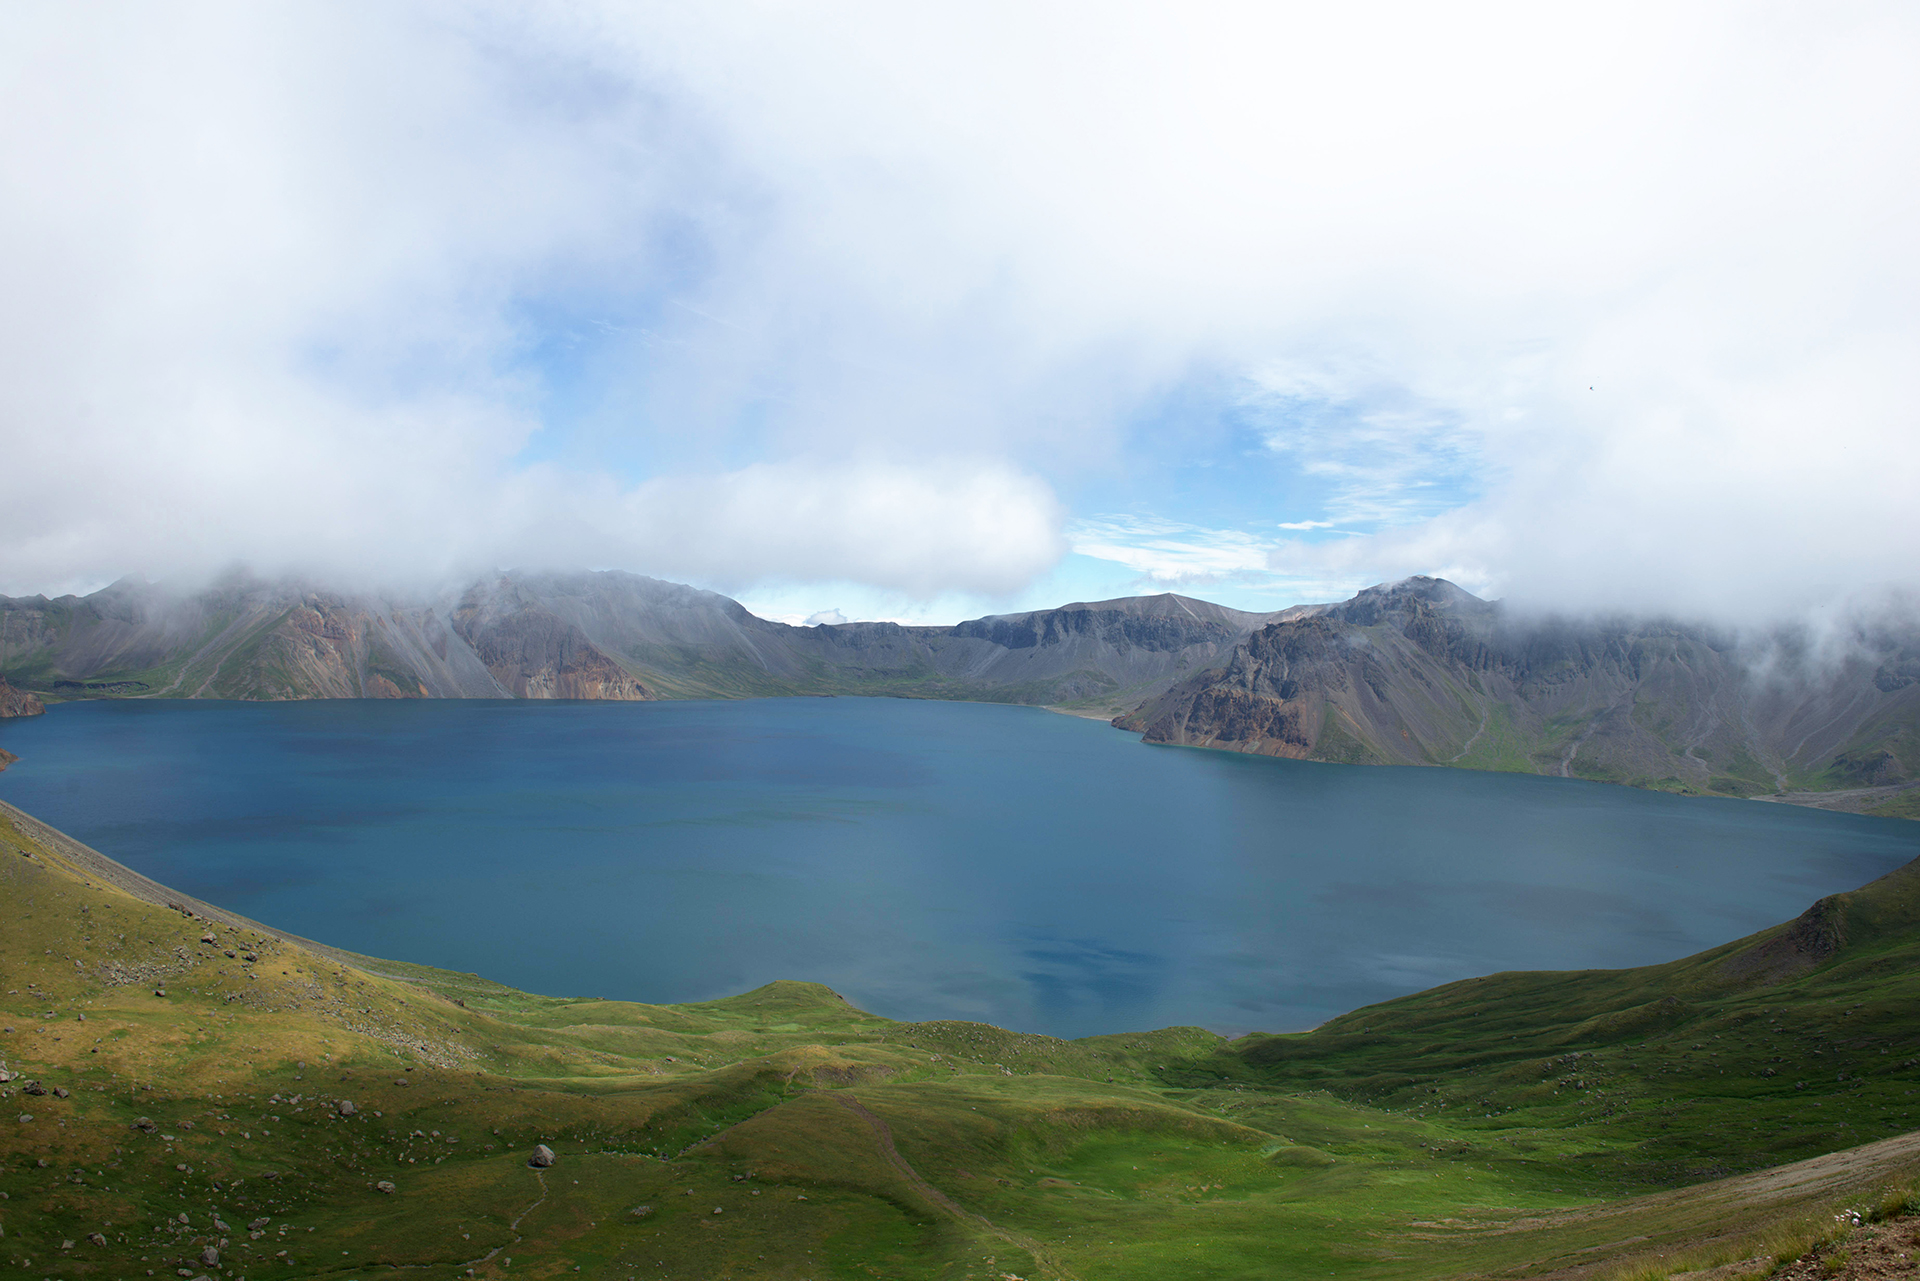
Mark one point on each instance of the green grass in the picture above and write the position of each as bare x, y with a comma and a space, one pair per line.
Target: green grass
1505, 1123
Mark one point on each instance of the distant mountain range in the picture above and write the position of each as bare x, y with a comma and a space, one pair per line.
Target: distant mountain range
594, 636
1411, 673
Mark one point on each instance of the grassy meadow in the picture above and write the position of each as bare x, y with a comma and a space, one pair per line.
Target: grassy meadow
287, 1110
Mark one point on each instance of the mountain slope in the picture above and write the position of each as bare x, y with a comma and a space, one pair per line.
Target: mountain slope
1422, 673
595, 636
179, 1080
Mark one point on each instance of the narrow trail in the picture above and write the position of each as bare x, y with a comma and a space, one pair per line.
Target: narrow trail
1486, 714
1573, 748
513, 1227
883, 1137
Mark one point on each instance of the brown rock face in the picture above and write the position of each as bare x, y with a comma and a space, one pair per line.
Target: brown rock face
533, 653
18, 702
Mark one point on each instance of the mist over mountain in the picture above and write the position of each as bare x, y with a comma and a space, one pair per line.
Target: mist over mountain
1418, 672
604, 635
1422, 673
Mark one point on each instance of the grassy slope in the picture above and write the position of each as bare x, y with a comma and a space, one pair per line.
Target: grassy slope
838, 1144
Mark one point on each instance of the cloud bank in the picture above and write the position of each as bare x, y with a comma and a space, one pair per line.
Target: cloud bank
1595, 309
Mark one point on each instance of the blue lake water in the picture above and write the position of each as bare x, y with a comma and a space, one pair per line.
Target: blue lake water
927, 860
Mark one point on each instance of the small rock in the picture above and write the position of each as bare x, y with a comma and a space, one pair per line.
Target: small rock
159, 991
382, 1186
25, 1117
60, 1092
542, 1157
33, 1087
81, 1017
96, 1238
144, 1124
400, 1080
641, 1211
208, 938
716, 1209
257, 1224
210, 1257
344, 1107
220, 1227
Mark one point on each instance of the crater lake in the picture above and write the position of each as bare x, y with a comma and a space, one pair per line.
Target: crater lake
927, 860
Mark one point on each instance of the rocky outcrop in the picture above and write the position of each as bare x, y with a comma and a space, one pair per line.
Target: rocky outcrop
1422, 673
534, 653
18, 702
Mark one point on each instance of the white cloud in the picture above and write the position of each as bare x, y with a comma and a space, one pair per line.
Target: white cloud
279, 280
1167, 552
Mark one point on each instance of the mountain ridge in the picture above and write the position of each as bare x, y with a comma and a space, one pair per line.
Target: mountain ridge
1421, 672
599, 635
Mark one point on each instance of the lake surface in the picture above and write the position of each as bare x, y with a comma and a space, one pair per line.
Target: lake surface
927, 860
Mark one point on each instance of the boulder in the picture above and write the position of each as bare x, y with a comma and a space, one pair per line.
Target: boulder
542, 1157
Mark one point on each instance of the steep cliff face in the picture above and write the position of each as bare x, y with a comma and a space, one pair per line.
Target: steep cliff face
533, 652
1421, 673
18, 702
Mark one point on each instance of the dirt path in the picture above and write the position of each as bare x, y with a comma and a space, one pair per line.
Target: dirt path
1486, 714
883, 1136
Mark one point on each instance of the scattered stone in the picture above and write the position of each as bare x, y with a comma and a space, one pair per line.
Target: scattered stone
344, 1107
96, 1238
60, 1092
181, 1167
41, 1163
542, 1157
25, 1117
33, 1087
382, 1186
716, 1209
159, 991
81, 1017
210, 1257
183, 1217
400, 1080
144, 1124
257, 1224
220, 1227
208, 938
641, 1211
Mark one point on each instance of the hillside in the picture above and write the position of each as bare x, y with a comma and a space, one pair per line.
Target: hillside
1422, 673
194, 1093
594, 636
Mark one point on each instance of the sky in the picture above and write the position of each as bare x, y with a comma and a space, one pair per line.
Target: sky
927, 311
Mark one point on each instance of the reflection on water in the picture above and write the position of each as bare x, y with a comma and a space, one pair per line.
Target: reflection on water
928, 860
